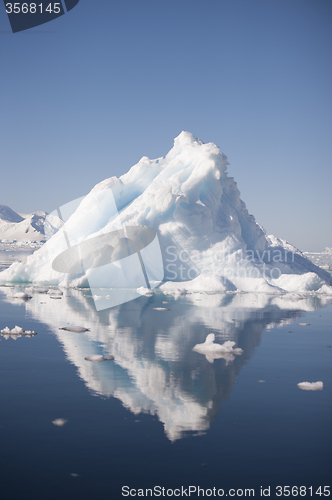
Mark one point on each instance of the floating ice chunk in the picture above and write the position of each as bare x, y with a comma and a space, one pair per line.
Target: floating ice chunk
29, 333
161, 309
21, 295
174, 292
59, 422
145, 291
304, 324
216, 351
36, 289
97, 358
76, 329
17, 329
55, 292
15, 332
311, 386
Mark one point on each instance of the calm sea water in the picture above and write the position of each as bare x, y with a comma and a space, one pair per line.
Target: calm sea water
161, 414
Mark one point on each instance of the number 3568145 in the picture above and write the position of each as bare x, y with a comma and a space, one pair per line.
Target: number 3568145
32, 8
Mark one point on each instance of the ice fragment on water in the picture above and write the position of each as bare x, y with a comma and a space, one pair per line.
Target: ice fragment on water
21, 295
311, 386
17, 331
76, 329
98, 358
59, 422
216, 351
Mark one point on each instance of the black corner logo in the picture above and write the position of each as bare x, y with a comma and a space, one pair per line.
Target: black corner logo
25, 15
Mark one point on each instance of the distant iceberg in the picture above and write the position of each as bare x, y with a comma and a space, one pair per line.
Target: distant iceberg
26, 227
209, 241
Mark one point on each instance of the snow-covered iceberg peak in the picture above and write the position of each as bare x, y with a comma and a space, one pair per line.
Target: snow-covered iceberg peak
203, 227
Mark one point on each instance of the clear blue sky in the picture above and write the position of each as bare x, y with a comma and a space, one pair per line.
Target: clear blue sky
85, 96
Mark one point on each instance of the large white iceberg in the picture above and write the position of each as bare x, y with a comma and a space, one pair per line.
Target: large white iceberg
208, 239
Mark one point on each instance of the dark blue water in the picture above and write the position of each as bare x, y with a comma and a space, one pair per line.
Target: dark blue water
160, 414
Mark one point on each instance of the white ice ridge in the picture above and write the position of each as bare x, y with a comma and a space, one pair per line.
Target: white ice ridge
209, 241
216, 351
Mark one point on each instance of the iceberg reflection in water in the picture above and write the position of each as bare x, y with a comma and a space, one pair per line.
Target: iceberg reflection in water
155, 369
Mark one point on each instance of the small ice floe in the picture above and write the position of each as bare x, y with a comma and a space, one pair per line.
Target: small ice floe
21, 295
59, 422
161, 309
165, 302
214, 351
73, 474
76, 329
261, 381
311, 386
96, 358
16, 332
36, 289
55, 292
304, 324
145, 291
176, 292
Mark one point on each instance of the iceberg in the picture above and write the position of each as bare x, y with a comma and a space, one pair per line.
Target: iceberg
209, 241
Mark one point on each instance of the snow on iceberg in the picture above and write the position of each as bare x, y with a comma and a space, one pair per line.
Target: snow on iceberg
208, 239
